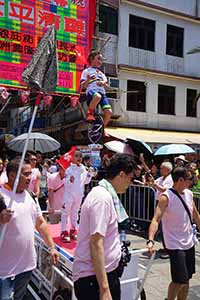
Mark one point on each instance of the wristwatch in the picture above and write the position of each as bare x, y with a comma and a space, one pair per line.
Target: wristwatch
51, 247
150, 241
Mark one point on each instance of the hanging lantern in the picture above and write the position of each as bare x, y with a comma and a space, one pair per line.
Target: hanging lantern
47, 100
3, 94
24, 96
74, 100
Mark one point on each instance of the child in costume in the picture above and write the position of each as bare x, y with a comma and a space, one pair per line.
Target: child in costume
76, 177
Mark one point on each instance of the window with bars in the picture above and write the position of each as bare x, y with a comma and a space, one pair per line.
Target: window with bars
141, 33
191, 105
166, 100
175, 38
136, 96
109, 19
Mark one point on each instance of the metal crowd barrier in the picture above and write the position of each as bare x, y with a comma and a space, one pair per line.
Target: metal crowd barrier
139, 201
196, 197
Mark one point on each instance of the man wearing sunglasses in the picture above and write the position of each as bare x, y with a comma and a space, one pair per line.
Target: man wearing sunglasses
177, 210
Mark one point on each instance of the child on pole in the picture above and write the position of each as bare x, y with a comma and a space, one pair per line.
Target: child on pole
95, 82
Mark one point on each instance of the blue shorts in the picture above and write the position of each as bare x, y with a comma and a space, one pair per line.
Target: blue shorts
104, 102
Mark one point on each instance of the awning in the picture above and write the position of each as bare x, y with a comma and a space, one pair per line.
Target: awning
155, 136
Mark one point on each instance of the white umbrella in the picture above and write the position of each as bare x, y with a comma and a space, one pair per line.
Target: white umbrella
119, 147
37, 142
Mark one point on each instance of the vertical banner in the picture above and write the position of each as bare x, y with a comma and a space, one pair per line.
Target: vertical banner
24, 22
92, 18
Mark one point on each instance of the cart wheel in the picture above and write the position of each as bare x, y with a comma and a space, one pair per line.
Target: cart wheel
64, 294
143, 295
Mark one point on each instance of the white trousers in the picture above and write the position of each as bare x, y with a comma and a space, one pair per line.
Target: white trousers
70, 210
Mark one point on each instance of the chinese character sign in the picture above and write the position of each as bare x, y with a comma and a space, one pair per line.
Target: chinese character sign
22, 25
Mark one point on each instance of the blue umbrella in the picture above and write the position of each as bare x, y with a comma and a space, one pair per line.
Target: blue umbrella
174, 149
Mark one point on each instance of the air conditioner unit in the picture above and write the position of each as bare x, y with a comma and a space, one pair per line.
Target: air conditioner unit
113, 82
115, 107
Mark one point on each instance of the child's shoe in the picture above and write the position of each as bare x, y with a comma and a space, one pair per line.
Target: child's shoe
73, 234
65, 237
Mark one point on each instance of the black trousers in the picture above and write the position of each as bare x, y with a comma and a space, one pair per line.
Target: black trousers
88, 288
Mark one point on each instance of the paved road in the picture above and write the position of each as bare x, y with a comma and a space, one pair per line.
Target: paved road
158, 279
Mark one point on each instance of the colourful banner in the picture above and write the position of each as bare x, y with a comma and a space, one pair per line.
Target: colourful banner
23, 23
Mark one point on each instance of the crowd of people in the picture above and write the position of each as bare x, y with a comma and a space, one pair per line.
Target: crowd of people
60, 186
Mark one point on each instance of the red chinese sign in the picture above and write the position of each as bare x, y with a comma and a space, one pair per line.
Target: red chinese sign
23, 23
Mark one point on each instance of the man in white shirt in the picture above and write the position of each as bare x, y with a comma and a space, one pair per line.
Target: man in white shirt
177, 231
165, 181
17, 252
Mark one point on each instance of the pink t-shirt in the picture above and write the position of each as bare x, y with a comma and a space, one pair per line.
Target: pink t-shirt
177, 229
98, 215
54, 182
34, 176
17, 253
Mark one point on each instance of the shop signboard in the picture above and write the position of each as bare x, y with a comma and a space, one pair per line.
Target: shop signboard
24, 22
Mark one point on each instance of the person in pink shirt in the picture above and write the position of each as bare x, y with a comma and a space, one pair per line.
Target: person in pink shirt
34, 185
98, 251
176, 208
55, 183
17, 252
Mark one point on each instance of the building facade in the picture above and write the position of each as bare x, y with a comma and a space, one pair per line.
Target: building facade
147, 52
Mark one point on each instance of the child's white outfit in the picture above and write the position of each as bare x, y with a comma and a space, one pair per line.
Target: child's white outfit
73, 194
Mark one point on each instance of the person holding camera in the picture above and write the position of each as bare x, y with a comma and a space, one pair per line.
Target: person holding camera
98, 251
